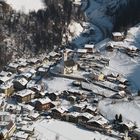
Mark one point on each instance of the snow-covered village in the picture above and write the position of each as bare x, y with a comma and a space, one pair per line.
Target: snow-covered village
69, 70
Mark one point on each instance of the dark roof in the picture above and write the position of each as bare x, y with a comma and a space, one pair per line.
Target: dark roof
70, 63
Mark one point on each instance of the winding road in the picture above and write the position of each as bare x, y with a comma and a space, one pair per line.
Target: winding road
104, 31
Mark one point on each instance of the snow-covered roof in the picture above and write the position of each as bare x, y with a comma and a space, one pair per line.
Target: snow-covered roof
4, 79
25, 92
6, 85
13, 65
34, 115
122, 93
44, 100
27, 128
60, 109
81, 50
53, 54
77, 2
117, 34
28, 107
31, 84
21, 135
21, 80
89, 46
32, 71
91, 108
33, 60
86, 115
26, 74
79, 105
122, 79
74, 114
128, 124
99, 119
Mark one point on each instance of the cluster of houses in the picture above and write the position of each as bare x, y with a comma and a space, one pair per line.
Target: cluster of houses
118, 42
21, 83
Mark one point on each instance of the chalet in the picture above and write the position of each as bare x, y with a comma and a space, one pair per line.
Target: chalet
13, 109
28, 129
12, 67
122, 80
78, 107
5, 74
90, 109
119, 95
97, 122
132, 49
34, 116
8, 129
97, 76
27, 108
20, 135
54, 95
58, 113
127, 126
41, 94
84, 117
42, 71
111, 79
32, 71
25, 96
22, 64
81, 51
4, 79
45, 59
77, 93
7, 89
109, 47
31, 84
137, 133
37, 89
72, 117
53, 55
117, 36
20, 83
33, 61
90, 48
44, 104
26, 75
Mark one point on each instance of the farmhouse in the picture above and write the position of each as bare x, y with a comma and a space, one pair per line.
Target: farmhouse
90, 48
57, 113
72, 117
44, 104
25, 96
20, 83
7, 89
84, 117
97, 76
98, 121
117, 36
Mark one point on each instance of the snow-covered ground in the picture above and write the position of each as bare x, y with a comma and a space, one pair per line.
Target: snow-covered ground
65, 131
58, 84
124, 64
129, 110
26, 5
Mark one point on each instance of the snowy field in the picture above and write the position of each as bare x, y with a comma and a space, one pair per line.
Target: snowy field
26, 5
58, 84
129, 110
65, 131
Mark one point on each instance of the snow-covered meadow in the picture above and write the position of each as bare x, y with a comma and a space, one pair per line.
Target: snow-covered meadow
26, 5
